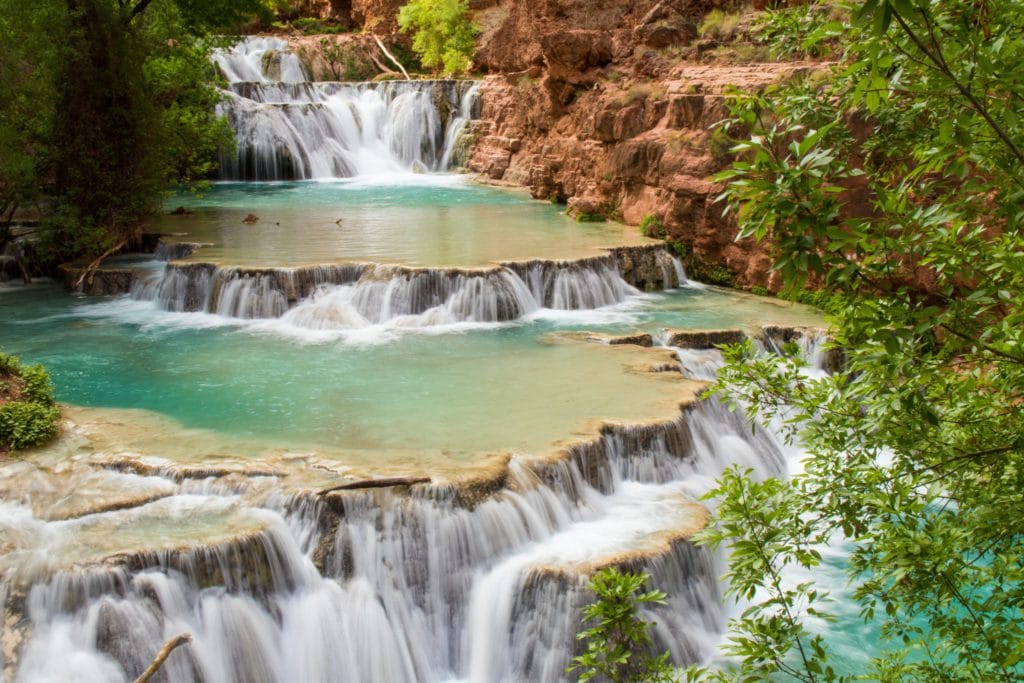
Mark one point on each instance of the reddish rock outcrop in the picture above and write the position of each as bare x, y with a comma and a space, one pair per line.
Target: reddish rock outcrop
623, 147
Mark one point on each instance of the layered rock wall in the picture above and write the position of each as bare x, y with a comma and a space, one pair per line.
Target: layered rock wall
609, 107
614, 117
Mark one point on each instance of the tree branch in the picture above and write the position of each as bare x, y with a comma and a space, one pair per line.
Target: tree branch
90, 270
940, 64
162, 656
986, 347
137, 10
391, 57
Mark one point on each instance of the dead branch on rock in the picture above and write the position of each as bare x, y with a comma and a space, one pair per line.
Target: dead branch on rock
90, 270
162, 656
680, 7
391, 57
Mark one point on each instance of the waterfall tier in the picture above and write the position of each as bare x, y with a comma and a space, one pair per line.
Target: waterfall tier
476, 575
355, 295
412, 583
289, 128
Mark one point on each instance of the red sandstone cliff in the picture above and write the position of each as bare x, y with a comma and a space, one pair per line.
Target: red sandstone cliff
608, 107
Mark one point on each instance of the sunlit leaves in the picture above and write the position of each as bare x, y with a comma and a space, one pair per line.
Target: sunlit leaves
443, 34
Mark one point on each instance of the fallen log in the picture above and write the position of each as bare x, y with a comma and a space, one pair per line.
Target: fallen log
375, 484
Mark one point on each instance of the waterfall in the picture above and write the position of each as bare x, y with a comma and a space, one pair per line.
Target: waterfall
479, 582
290, 128
350, 296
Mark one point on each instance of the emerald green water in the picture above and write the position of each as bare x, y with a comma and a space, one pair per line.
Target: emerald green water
430, 221
449, 395
442, 394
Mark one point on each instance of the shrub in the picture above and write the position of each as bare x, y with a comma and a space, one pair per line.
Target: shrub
28, 408
804, 31
642, 91
24, 424
9, 365
444, 35
651, 226
719, 25
38, 387
619, 642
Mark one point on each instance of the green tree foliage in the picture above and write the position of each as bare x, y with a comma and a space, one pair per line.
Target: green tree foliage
618, 643
107, 118
896, 180
27, 74
444, 35
28, 409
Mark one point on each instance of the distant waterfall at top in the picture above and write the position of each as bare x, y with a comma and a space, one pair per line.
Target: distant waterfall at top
290, 128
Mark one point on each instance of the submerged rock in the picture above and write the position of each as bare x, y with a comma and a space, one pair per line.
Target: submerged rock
101, 282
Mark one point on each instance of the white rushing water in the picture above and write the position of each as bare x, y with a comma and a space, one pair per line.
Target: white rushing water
290, 128
417, 587
438, 583
351, 297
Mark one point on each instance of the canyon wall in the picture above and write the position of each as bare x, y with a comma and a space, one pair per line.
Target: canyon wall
609, 107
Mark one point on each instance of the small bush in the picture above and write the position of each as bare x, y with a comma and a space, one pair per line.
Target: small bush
590, 218
642, 91
742, 53
38, 387
311, 26
618, 641
701, 271
525, 82
804, 31
719, 26
24, 424
28, 407
9, 365
758, 290
651, 226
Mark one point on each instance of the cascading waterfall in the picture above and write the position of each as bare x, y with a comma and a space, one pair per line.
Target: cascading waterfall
290, 128
431, 584
350, 296
477, 581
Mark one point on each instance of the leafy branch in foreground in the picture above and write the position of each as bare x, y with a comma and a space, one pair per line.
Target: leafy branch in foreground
763, 526
618, 643
894, 181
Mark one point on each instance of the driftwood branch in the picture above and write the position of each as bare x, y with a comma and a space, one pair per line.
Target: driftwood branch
680, 7
391, 57
90, 270
162, 656
375, 484
381, 66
